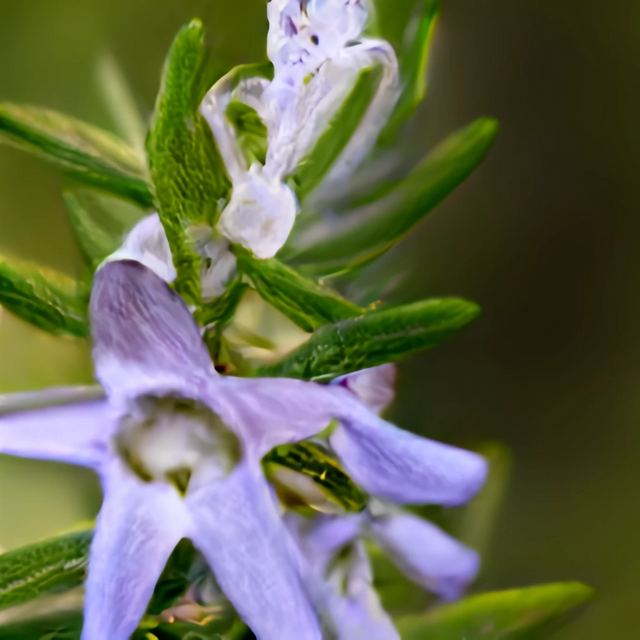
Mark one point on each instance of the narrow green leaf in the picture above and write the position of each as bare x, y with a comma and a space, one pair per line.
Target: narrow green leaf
310, 461
500, 615
54, 565
343, 125
44, 298
302, 300
251, 131
55, 617
85, 152
373, 229
119, 99
187, 171
222, 309
413, 65
100, 222
375, 338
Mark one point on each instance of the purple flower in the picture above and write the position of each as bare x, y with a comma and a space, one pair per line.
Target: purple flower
178, 450
337, 571
334, 560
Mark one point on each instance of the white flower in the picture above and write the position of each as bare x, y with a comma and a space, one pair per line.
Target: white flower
318, 55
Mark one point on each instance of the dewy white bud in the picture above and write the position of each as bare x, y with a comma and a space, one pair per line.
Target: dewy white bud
147, 243
260, 214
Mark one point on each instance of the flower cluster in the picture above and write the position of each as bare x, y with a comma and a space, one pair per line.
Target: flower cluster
178, 450
334, 560
179, 447
186, 426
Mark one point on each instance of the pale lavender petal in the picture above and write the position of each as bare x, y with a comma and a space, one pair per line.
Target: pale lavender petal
426, 554
273, 411
329, 533
362, 619
374, 387
137, 529
403, 467
352, 604
386, 461
75, 433
238, 529
143, 333
321, 537
340, 585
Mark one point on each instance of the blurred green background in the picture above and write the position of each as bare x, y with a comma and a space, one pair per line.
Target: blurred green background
544, 236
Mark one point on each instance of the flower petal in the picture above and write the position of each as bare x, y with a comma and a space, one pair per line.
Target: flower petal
307, 110
352, 603
305, 34
75, 433
273, 411
403, 467
426, 554
374, 387
362, 618
213, 109
359, 57
238, 529
260, 214
138, 527
147, 243
386, 461
143, 334
320, 538
340, 587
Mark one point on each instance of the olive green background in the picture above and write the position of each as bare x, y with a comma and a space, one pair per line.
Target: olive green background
544, 236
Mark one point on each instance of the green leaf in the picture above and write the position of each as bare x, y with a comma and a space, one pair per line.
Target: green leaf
302, 300
57, 617
221, 309
500, 615
44, 298
85, 152
343, 125
373, 229
119, 99
413, 65
44, 567
251, 132
187, 171
100, 222
375, 338
309, 460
